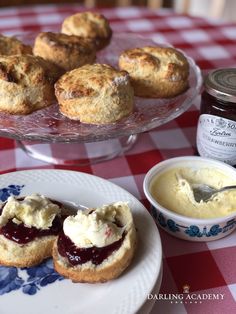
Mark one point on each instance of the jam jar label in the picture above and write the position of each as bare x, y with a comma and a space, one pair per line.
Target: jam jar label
216, 138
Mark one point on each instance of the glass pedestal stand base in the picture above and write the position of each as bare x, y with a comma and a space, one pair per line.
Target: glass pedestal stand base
80, 154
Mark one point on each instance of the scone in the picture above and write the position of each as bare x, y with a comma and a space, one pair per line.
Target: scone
26, 83
67, 52
96, 94
93, 26
12, 46
156, 71
28, 228
96, 246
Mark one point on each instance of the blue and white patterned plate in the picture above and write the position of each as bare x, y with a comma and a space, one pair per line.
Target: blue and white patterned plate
41, 290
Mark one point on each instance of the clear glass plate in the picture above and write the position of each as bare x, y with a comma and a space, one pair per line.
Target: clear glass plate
48, 125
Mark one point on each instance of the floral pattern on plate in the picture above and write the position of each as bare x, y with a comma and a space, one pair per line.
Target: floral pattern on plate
32, 279
12, 189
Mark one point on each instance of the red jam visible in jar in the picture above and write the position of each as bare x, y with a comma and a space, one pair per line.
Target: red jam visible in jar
216, 131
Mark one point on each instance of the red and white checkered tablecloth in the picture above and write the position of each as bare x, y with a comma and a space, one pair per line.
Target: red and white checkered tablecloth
205, 267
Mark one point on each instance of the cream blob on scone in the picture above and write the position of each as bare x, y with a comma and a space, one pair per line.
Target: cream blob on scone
26, 83
156, 72
67, 52
28, 228
97, 245
13, 46
96, 94
93, 26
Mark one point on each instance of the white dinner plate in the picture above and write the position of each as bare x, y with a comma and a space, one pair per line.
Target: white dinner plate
41, 290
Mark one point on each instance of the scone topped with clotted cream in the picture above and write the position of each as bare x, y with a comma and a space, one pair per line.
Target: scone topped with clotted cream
96, 246
28, 228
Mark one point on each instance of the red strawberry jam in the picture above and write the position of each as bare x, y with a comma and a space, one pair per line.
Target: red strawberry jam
22, 234
78, 256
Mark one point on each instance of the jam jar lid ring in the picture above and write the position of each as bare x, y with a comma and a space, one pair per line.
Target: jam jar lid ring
221, 83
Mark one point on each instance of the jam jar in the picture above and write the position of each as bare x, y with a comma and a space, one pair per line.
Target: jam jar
216, 130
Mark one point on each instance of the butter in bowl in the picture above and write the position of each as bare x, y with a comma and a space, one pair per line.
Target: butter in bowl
169, 187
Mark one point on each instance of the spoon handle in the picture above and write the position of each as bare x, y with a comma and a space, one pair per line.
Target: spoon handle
231, 187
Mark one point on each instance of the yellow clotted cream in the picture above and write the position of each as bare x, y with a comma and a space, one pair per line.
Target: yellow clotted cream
172, 190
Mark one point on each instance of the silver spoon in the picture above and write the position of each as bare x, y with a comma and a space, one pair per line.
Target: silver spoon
204, 192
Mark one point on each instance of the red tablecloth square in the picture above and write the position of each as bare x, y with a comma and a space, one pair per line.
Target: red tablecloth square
226, 261
188, 119
179, 247
6, 143
199, 270
226, 305
142, 162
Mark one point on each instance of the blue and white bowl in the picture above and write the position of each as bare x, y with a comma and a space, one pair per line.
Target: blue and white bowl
187, 228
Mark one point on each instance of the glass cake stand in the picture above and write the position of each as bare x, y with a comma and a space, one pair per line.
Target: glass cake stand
49, 136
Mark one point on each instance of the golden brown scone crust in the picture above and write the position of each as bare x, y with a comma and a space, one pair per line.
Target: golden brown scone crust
110, 268
156, 71
26, 83
26, 255
12, 46
96, 94
93, 26
67, 52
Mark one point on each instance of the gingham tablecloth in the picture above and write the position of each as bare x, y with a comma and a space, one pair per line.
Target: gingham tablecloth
207, 268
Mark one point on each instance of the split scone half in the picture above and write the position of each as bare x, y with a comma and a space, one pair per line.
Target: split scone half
28, 229
96, 246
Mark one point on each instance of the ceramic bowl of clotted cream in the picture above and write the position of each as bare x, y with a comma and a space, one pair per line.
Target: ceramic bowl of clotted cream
168, 187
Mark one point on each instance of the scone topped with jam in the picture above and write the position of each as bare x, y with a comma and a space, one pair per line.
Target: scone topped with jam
66, 51
90, 25
97, 245
156, 72
28, 228
12, 46
96, 94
